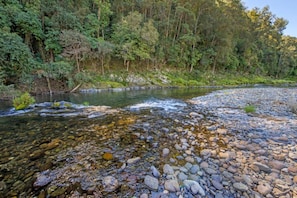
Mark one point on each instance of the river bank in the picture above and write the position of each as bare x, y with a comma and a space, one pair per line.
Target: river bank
207, 146
230, 154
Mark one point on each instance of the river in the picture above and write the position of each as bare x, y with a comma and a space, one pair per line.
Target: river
33, 142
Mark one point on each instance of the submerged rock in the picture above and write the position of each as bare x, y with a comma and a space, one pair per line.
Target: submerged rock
42, 180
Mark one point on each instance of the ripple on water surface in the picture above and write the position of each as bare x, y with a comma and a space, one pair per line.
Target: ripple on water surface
167, 105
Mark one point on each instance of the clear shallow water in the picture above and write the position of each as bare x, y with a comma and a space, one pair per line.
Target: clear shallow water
30, 142
117, 99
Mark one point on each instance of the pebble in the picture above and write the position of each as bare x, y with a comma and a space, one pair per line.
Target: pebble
240, 186
262, 167
182, 176
172, 185
194, 169
264, 188
278, 165
217, 184
144, 195
194, 187
110, 183
133, 160
151, 182
155, 172
165, 152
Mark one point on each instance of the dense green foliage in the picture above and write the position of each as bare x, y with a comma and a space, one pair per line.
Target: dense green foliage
72, 41
23, 101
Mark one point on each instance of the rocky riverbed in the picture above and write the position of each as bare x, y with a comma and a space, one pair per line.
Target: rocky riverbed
205, 147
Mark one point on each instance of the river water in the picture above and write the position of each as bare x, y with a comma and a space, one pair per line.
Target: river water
39, 140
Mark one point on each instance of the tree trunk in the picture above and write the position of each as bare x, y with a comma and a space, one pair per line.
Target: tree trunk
214, 66
99, 15
40, 46
127, 62
52, 57
102, 65
77, 62
49, 85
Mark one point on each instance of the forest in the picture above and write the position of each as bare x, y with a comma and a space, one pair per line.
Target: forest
75, 42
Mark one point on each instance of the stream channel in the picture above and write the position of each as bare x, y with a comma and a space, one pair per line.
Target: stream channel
70, 151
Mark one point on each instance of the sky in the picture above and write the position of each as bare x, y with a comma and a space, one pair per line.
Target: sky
281, 8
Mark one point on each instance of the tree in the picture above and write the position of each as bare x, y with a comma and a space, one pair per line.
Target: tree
75, 46
101, 51
135, 39
16, 61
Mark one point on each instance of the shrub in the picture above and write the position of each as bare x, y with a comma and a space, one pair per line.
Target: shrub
86, 103
250, 109
23, 101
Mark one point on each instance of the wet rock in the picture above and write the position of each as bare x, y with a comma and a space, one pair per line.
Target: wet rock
2, 186
42, 180
107, 156
36, 154
172, 185
240, 186
110, 183
133, 160
58, 192
42, 194
278, 165
194, 187
264, 188
151, 182
53, 144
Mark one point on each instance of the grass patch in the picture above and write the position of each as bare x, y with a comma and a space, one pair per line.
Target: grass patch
250, 109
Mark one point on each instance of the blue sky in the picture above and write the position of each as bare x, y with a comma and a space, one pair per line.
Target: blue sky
281, 8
